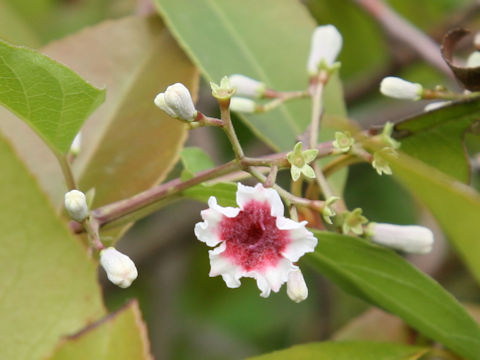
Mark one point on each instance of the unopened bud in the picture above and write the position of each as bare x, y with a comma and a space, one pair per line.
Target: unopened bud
76, 144
177, 102
296, 287
119, 267
325, 46
76, 205
244, 105
473, 60
400, 89
435, 105
247, 86
409, 238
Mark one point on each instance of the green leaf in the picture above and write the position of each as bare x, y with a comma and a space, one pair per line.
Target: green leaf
194, 160
436, 137
384, 279
455, 205
15, 29
120, 336
51, 98
48, 287
262, 39
347, 351
224, 192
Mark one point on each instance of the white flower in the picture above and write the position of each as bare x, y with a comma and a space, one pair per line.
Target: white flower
76, 205
409, 238
247, 86
296, 287
119, 267
400, 89
76, 144
325, 46
255, 240
435, 105
244, 105
177, 102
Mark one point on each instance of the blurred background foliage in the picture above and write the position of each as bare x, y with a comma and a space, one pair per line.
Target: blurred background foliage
187, 312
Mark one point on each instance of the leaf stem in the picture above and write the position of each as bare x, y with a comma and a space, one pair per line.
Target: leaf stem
67, 171
229, 130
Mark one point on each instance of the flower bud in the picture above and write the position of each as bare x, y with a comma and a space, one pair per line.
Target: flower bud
473, 60
297, 289
247, 86
119, 267
177, 102
400, 89
76, 205
76, 144
435, 105
244, 105
409, 238
325, 46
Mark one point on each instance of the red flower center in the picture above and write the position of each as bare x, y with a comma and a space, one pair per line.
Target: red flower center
252, 238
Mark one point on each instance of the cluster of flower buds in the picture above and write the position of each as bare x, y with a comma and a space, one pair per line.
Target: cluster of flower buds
246, 89
177, 102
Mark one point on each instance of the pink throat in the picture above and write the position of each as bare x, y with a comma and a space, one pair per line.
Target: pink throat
252, 238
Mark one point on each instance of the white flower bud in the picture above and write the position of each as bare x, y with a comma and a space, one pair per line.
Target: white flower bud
177, 102
296, 287
400, 89
476, 40
325, 46
76, 144
178, 98
76, 205
247, 86
435, 105
409, 238
119, 267
473, 60
160, 102
244, 105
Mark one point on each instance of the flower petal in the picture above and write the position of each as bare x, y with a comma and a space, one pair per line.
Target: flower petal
221, 265
295, 173
246, 194
307, 170
273, 278
302, 240
207, 231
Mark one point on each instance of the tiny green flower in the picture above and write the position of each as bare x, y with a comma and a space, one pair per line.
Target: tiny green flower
299, 161
328, 211
387, 135
223, 91
353, 221
380, 164
343, 141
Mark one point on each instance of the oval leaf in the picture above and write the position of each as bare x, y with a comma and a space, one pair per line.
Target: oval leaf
384, 279
50, 97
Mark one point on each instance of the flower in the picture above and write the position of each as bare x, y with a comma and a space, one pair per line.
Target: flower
177, 102
380, 162
76, 205
119, 267
328, 211
325, 46
299, 160
296, 287
255, 240
240, 104
353, 221
343, 141
401, 89
409, 238
247, 86
223, 91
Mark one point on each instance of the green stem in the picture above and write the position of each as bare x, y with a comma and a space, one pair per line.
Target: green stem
67, 171
228, 128
339, 163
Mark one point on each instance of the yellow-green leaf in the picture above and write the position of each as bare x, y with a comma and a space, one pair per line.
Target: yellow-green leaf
48, 286
120, 336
